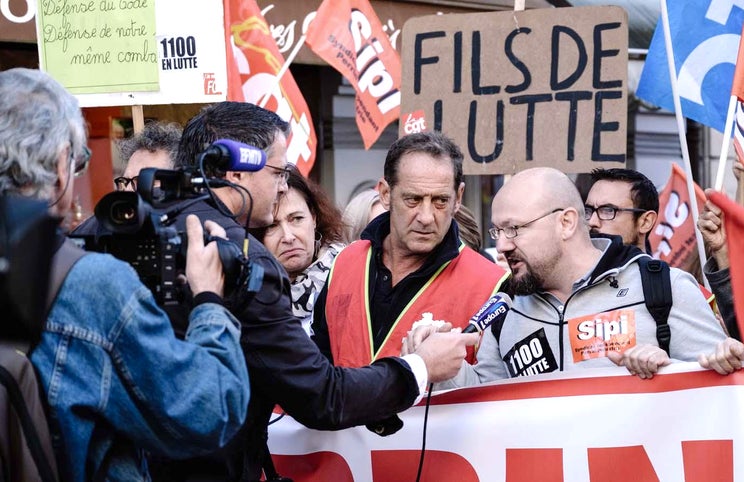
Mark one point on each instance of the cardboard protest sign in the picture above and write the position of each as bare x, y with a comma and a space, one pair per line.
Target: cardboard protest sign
543, 87
130, 52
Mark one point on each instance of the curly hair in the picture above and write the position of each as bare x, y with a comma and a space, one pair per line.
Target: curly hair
156, 136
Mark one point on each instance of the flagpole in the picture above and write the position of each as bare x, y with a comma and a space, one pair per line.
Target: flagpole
283, 70
728, 127
681, 134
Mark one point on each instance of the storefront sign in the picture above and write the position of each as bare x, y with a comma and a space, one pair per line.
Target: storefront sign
17, 21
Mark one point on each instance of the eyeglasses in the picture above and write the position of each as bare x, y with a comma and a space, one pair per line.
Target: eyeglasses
512, 231
80, 163
122, 183
282, 173
607, 212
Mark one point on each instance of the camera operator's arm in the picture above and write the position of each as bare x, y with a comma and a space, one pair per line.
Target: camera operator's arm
203, 266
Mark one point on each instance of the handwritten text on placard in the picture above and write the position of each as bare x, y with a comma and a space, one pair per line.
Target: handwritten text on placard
99, 45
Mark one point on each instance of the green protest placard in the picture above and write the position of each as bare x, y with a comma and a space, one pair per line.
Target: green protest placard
98, 46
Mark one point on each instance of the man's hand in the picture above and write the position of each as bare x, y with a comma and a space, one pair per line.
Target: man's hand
203, 265
641, 360
416, 336
710, 224
443, 353
726, 359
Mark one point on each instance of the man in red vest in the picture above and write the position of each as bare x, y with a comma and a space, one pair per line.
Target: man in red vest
410, 264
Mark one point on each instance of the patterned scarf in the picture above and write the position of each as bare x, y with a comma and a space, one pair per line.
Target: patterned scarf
308, 284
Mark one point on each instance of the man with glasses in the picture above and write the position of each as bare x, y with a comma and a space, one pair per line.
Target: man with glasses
285, 366
156, 146
622, 202
579, 300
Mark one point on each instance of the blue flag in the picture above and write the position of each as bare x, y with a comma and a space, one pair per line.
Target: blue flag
705, 38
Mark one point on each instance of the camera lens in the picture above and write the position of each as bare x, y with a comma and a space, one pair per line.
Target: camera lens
123, 213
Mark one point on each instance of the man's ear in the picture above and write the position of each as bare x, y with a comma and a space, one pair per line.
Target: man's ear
570, 222
458, 196
234, 176
64, 182
384, 189
647, 221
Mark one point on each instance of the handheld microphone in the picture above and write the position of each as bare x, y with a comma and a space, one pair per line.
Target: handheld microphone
494, 309
228, 155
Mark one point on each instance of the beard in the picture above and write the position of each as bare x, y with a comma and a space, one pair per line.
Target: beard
525, 285
532, 278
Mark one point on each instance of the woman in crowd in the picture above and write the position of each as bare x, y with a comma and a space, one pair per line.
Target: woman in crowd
362, 208
305, 237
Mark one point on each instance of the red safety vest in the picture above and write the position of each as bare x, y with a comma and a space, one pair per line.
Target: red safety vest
454, 293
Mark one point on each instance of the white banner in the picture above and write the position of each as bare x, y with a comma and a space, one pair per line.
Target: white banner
190, 46
599, 425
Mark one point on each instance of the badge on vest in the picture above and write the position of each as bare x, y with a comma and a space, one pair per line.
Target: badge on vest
594, 335
531, 356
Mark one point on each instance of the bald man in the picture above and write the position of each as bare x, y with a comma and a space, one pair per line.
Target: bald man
579, 301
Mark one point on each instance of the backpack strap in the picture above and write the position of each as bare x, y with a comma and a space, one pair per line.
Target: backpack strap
66, 256
33, 440
657, 291
62, 261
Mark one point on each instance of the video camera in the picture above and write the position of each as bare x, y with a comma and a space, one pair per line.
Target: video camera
139, 227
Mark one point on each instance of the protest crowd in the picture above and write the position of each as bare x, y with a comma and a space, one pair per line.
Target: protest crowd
219, 288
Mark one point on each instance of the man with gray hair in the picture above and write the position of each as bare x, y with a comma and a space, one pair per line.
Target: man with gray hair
156, 146
579, 301
117, 380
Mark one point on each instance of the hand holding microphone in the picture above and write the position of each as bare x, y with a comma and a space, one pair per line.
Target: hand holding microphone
443, 352
494, 309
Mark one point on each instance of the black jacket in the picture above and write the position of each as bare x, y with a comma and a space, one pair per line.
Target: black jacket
286, 368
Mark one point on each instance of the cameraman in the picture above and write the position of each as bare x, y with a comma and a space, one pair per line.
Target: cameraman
117, 380
285, 366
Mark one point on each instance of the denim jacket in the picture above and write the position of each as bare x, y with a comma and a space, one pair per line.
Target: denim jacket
118, 382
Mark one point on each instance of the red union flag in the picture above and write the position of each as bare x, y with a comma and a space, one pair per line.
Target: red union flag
348, 35
673, 239
252, 74
733, 220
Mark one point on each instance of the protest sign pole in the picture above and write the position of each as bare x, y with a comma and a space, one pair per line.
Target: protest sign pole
283, 70
138, 118
681, 133
518, 7
725, 143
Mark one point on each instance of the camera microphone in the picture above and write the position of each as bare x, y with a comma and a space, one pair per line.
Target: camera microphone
228, 155
494, 309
